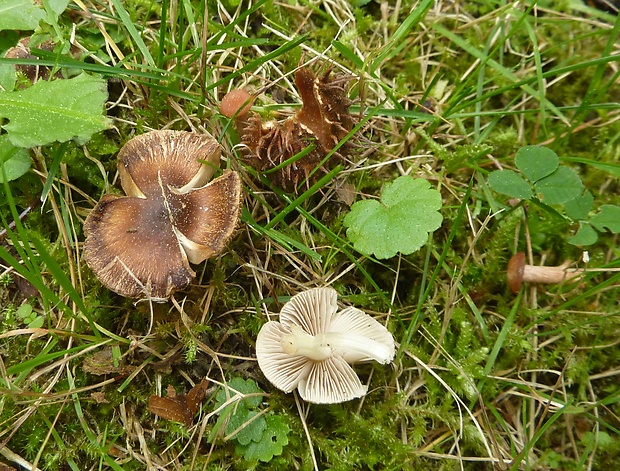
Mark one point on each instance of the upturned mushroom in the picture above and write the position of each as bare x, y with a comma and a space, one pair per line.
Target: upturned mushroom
518, 272
140, 245
313, 345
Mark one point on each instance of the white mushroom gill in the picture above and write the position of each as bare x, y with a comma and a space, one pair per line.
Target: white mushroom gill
313, 345
322, 346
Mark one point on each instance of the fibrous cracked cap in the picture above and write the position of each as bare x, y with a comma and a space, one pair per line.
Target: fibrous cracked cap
313, 345
140, 245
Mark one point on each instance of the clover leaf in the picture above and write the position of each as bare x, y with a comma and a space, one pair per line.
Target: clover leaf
400, 222
543, 179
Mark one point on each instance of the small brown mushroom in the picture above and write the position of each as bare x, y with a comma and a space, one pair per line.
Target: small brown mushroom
518, 272
140, 245
236, 103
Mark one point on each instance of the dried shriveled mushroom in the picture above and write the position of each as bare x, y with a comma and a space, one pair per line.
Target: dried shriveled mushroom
313, 346
322, 121
140, 245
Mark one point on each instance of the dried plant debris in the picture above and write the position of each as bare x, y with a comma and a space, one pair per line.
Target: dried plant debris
179, 407
305, 138
22, 51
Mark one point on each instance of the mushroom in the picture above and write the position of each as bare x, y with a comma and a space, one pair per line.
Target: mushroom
518, 272
236, 103
312, 347
140, 245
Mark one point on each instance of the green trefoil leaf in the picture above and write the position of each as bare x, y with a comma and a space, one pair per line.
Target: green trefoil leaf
536, 162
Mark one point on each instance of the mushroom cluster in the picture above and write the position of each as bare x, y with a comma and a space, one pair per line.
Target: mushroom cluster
313, 345
140, 245
323, 120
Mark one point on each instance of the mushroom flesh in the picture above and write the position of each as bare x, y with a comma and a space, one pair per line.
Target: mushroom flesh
140, 245
313, 345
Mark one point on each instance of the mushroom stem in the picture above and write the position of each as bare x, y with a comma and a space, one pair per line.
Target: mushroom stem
549, 275
518, 272
322, 346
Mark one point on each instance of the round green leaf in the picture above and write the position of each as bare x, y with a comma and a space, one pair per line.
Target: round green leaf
586, 235
510, 183
536, 162
579, 208
272, 442
607, 217
401, 222
561, 186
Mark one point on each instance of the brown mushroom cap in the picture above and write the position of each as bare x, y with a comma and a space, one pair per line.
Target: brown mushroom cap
233, 102
141, 244
514, 274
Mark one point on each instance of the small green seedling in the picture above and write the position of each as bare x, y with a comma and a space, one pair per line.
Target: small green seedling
400, 222
29, 317
544, 180
259, 436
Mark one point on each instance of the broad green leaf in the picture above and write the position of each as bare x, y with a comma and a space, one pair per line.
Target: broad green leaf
14, 161
7, 77
37, 322
59, 110
20, 14
245, 387
536, 162
271, 444
579, 208
607, 217
24, 311
58, 6
586, 235
408, 211
249, 430
560, 187
239, 412
510, 183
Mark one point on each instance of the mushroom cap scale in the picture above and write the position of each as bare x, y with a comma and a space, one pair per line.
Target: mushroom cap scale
313, 345
141, 244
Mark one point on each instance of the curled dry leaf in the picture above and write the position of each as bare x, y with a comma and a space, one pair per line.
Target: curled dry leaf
321, 123
179, 407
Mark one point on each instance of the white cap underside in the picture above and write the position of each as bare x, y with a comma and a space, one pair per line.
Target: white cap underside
331, 381
312, 310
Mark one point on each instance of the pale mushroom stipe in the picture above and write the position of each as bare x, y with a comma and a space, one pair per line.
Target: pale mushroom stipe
140, 245
313, 345
519, 272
